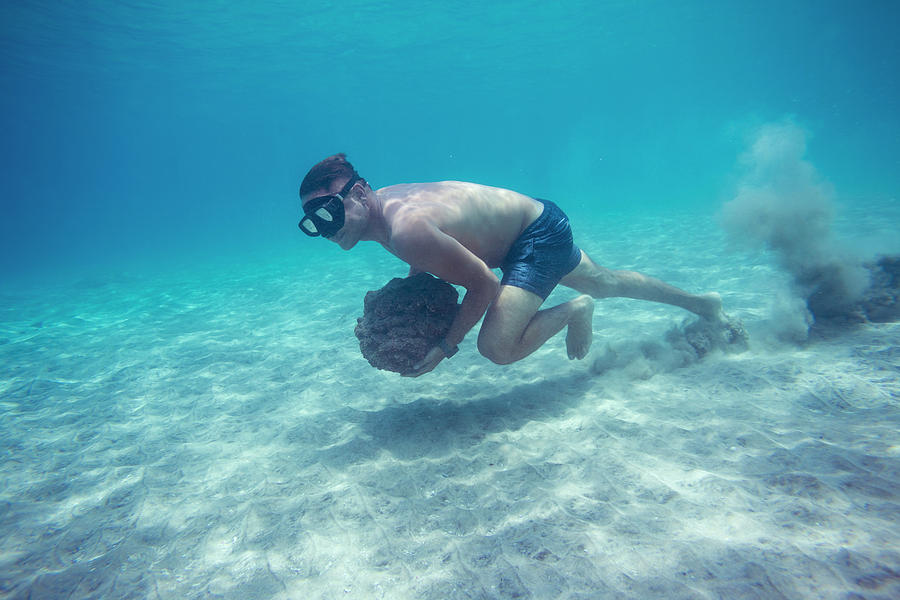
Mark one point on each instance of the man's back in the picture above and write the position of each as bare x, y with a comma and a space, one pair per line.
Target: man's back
485, 220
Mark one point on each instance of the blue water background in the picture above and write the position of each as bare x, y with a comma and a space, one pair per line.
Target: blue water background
184, 411
147, 135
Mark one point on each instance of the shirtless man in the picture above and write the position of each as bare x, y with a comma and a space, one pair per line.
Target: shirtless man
460, 231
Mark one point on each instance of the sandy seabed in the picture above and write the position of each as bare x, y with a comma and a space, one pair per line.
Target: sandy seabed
220, 436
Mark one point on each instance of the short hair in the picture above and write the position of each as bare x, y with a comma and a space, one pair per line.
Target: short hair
325, 172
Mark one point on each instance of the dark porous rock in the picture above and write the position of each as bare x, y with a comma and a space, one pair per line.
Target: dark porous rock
405, 319
881, 302
704, 336
832, 305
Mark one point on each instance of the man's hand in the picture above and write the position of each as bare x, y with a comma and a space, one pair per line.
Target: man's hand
434, 356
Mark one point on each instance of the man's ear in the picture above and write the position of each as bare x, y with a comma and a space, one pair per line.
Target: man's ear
363, 195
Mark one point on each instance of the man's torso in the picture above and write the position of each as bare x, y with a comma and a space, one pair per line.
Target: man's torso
485, 220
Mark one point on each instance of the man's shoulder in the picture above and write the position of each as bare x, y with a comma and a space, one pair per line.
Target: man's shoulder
411, 223
412, 237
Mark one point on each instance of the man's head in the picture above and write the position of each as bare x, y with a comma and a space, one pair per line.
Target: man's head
333, 172
334, 201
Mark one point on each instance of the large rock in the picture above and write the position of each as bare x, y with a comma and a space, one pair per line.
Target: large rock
403, 320
879, 302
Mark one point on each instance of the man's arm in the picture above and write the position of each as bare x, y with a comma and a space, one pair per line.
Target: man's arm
426, 248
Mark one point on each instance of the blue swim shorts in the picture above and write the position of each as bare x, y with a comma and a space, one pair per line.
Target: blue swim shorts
543, 254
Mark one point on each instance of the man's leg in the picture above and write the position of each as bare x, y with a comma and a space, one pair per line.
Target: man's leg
600, 282
513, 327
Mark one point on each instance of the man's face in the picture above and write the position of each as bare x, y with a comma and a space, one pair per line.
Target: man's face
340, 204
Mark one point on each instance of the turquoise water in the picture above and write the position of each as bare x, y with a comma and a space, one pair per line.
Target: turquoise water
177, 129
184, 412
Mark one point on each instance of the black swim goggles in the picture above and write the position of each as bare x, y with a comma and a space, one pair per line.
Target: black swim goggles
324, 215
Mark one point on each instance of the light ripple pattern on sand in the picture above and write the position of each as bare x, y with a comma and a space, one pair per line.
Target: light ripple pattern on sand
219, 435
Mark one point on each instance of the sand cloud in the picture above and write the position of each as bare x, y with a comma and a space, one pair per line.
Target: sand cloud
783, 204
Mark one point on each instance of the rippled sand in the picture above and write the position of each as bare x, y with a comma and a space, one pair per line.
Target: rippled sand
217, 434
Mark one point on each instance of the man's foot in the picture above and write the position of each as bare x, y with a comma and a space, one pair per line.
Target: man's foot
581, 327
710, 307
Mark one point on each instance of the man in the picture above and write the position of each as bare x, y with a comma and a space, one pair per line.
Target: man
460, 231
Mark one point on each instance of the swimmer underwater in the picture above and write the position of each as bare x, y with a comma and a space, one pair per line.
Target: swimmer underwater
459, 231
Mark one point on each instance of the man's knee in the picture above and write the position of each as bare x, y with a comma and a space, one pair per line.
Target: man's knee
495, 351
